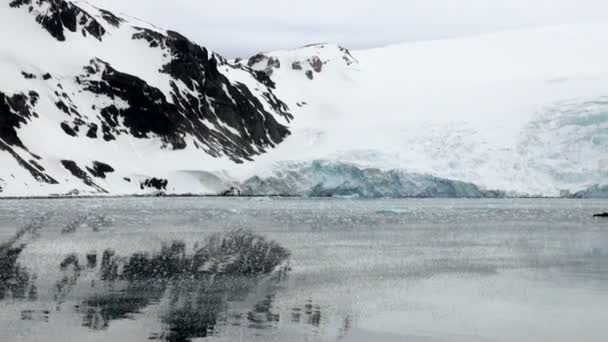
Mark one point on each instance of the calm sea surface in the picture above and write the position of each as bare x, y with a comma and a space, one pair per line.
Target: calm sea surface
359, 270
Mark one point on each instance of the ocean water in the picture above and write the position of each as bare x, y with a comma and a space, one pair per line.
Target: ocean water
358, 270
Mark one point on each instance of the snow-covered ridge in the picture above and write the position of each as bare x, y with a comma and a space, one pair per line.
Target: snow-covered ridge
308, 60
520, 111
89, 88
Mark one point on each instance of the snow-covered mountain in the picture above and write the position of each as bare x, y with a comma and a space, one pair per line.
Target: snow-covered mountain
520, 111
98, 103
95, 103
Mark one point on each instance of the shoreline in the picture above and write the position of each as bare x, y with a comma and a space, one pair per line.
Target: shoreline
58, 197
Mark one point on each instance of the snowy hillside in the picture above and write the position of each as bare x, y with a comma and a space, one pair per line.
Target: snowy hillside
94, 103
521, 111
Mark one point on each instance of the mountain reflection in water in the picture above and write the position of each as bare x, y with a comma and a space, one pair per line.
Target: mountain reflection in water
192, 289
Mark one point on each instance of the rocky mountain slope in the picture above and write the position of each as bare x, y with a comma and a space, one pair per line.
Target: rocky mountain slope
85, 95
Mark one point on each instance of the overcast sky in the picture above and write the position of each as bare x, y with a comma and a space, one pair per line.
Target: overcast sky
244, 27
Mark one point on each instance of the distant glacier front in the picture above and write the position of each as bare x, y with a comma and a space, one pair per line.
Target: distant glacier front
321, 178
326, 178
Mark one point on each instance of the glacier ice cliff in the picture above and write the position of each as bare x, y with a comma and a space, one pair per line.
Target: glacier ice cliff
335, 179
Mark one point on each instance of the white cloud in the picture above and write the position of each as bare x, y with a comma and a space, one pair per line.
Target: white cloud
243, 27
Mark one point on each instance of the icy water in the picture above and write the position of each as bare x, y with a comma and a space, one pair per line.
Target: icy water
359, 270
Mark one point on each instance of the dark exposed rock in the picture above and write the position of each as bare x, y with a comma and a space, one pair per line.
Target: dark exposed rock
601, 215
15, 111
256, 59
92, 132
232, 191
107, 133
28, 76
190, 63
155, 39
316, 63
35, 172
219, 116
100, 169
296, 66
33, 97
217, 100
110, 18
60, 15
310, 75
348, 57
36, 165
82, 175
68, 130
62, 107
265, 79
154, 183
148, 111
274, 63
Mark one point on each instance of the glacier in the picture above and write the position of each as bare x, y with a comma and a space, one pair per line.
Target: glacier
521, 111
322, 178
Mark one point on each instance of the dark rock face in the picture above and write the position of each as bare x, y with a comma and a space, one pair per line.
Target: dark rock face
223, 117
274, 63
348, 57
265, 79
110, 18
14, 112
148, 111
601, 215
92, 132
201, 106
28, 76
82, 175
219, 102
100, 169
62, 15
32, 169
155, 39
68, 130
316, 63
154, 183
256, 59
